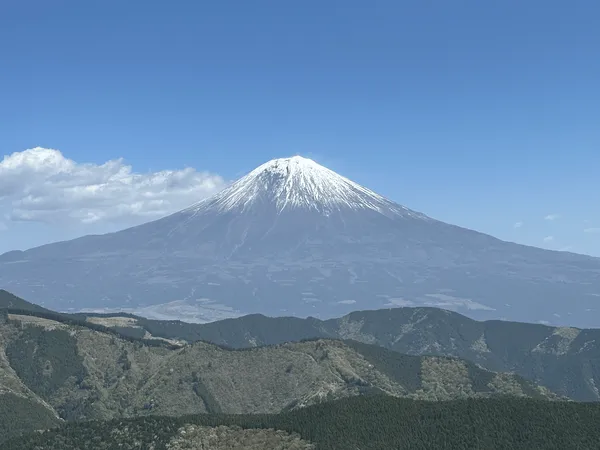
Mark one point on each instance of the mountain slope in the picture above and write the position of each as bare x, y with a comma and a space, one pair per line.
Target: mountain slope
369, 423
295, 238
79, 373
11, 301
299, 184
566, 360
19, 414
20, 408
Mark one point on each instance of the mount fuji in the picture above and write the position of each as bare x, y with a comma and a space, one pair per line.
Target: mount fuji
295, 238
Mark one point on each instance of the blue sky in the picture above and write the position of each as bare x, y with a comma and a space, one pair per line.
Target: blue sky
482, 114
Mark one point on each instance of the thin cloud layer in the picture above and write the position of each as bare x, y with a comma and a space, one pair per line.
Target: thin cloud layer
41, 185
551, 217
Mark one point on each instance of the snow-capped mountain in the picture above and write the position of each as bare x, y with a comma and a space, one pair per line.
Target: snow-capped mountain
295, 238
302, 184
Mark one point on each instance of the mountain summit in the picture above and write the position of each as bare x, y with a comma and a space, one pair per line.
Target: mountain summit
299, 183
295, 238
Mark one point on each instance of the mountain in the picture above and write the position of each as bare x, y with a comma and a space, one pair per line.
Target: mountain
294, 238
565, 360
369, 423
75, 372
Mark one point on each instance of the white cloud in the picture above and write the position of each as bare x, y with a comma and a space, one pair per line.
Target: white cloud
548, 238
592, 230
551, 217
399, 302
566, 248
518, 225
41, 185
347, 302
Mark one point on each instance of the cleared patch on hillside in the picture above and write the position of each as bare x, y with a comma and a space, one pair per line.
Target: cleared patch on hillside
47, 324
117, 321
194, 437
350, 329
444, 379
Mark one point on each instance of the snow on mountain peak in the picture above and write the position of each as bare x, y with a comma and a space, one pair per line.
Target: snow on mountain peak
300, 183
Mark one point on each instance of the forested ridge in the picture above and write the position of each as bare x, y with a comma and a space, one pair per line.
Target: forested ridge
82, 370
74, 320
563, 359
366, 423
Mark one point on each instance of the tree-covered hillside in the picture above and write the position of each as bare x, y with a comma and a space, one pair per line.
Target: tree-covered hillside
10, 301
84, 371
20, 414
565, 360
366, 423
